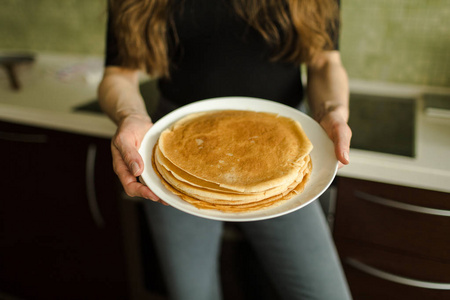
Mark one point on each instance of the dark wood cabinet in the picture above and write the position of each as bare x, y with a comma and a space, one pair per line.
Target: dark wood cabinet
60, 222
394, 241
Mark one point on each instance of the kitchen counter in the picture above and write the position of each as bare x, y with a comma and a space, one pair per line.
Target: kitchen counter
51, 87
54, 85
430, 166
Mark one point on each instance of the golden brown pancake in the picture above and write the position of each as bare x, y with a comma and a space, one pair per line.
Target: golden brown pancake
266, 203
215, 196
244, 151
233, 160
192, 180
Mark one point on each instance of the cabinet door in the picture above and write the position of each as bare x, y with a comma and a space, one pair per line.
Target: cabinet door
379, 273
393, 240
414, 221
59, 221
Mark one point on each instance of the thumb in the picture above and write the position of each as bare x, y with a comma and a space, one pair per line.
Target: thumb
340, 133
130, 154
341, 139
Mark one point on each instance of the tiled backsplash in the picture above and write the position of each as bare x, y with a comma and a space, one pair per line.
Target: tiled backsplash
68, 26
402, 41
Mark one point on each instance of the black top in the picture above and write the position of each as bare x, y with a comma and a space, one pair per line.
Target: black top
220, 55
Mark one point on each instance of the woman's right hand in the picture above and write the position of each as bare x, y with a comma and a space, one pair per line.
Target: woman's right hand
127, 162
120, 99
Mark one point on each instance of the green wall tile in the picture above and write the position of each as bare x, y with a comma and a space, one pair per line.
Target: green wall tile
404, 41
70, 26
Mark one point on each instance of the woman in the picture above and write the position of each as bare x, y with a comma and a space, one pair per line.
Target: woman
200, 49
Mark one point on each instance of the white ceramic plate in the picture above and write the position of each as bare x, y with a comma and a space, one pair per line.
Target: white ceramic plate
323, 158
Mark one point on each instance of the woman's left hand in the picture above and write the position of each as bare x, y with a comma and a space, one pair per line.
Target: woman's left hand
335, 125
328, 98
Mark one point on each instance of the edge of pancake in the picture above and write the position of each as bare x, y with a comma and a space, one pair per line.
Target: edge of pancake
223, 197
263, 204
259, 205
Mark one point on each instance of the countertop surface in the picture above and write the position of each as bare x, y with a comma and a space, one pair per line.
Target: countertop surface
51, 87
54, 85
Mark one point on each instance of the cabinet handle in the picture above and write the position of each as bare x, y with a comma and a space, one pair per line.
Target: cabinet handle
90, 186
400, 205
23, 137
395, 278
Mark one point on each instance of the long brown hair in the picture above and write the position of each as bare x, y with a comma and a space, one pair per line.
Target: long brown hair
142, 27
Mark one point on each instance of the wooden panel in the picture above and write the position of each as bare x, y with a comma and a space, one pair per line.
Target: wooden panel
412, 233
50, 245
395, 262
367, 287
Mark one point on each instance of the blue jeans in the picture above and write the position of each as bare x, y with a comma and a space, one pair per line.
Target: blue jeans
296, 250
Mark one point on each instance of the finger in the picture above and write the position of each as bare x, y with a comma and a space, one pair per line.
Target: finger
129, 182
340, 134
160, 200
129, 153
136, 189
163, 203
341, 139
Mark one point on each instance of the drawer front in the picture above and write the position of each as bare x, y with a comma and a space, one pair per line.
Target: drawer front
414, 221
394, 262
378, 274
367, 287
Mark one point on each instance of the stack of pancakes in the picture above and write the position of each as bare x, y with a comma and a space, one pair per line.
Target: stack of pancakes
233, 160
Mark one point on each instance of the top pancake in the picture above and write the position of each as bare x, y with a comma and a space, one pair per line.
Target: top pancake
244, 151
